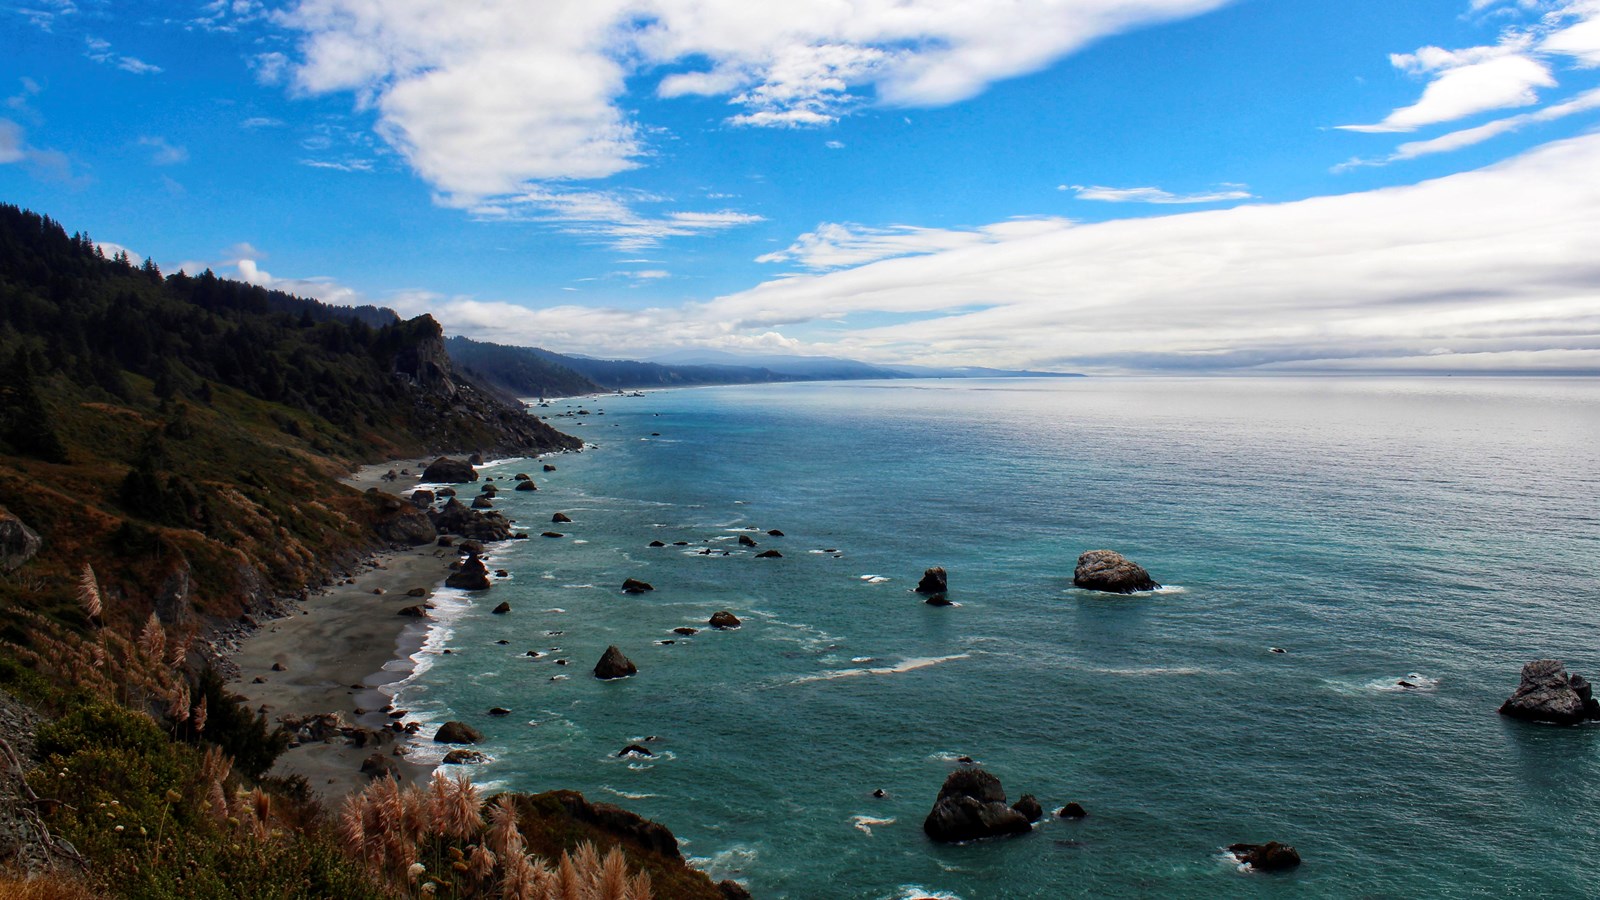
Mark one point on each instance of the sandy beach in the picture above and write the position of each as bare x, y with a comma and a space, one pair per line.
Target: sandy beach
343, 637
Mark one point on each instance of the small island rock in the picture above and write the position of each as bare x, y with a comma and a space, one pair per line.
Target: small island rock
972, 805
769, 554
502, 609
1111, 572
1548, 694
1269, 857
614, 665
635, 586
560, 517
527, 486
1073, 810
934, 581
1029, 806
724, 619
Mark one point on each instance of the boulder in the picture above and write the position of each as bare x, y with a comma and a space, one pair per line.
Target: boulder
463, 757
1111, 572
685, 630
775, 533
471, 548
1269, 857
527, 486
559, 518
724, 619
635, 586
498, 711
549, 468
1548, 694
473, 576
476, 459
456, 518
614, 665
482, 501
422, 498
409, 525
445, 470
1073, 810
417, 592
934, 581
1029, 806
457, 733
446, 540
415, 612
746, 540
972, 805
769, 554
552, 534
489, 491
502, 609
657, 544
380, 766
18, 542
635, 750
938, 600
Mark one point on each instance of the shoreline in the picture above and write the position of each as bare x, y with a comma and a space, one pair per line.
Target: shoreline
345, 648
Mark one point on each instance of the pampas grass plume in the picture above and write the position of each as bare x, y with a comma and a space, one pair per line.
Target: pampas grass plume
89, 593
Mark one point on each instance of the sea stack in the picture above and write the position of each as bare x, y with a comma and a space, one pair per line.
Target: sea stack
1549, 695
934, 581
1111, 572
614, 665
972, 805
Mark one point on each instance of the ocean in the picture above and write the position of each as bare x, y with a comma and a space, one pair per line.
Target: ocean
1436, 531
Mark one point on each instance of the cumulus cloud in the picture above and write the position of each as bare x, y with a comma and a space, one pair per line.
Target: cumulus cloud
488, 100
1494, 266
1155, 195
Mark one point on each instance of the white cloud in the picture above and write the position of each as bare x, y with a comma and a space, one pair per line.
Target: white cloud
835, 245
13, 147
1155, 195
349, 165
1465, 83
164, 153
1496, 265
1467, 137
610, 217
490, 99
99, 50
261, 122
1581, 41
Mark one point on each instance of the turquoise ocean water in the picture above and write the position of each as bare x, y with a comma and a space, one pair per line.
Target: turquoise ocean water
1440, 531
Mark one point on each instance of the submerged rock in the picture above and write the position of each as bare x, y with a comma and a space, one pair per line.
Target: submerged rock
972, 805
1111, 572
457, 733
746, 540
685, 630
769, 554
635, 750
463, 757
445, 470
938, 600
724, 619
614, 665
549, 468
502, 609
1269, 857
657, 544
1073, 810
934, 581
775, 533
560, 517
527, 486
1548, 694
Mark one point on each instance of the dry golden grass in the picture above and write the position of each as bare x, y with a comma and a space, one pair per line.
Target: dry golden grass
45, 887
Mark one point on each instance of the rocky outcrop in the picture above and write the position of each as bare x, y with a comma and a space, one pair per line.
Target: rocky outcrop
638, 750
456, 518
549, 468
458, 733
614, 665
934, 581
1269, 857
406, 524
422, 498
1111, 572
414, 612
769, 554
482, 501
472, 576
18, 542
560, 518
972, 805
724, 619
1548, 694
502, 609
635, 586
463, 757
445, 470
527, 486
380, 765
746, 540
1073, 810
1030, 807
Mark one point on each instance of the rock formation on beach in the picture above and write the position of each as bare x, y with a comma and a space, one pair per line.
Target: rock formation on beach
614, 665
1548, 694
456, 518
445, 470
934, 581
972, 805
1111, 572
472, 576
458, 733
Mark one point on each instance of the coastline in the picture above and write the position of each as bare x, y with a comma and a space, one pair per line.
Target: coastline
339, 637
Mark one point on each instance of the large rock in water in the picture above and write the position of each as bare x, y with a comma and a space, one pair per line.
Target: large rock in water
472, 576
1548, 694
934, 581
972, 805
614, 665
1269, 857
445, 470
458, 733
1110, 571
18, 542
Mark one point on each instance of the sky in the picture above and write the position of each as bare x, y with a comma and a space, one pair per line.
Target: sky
1106, 186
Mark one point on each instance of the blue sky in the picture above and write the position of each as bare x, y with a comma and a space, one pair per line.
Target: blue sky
1101, 185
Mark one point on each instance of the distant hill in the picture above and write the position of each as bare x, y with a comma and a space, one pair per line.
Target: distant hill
812, 368
534, 372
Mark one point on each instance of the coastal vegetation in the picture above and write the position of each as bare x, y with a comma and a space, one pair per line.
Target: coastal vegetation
170, 448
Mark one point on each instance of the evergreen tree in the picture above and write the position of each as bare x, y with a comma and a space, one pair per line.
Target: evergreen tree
25, 422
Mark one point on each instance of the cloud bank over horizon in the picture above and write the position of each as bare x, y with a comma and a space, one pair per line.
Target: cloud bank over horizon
1486, 270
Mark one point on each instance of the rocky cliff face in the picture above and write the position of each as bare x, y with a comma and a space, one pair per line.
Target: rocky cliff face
424, 361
